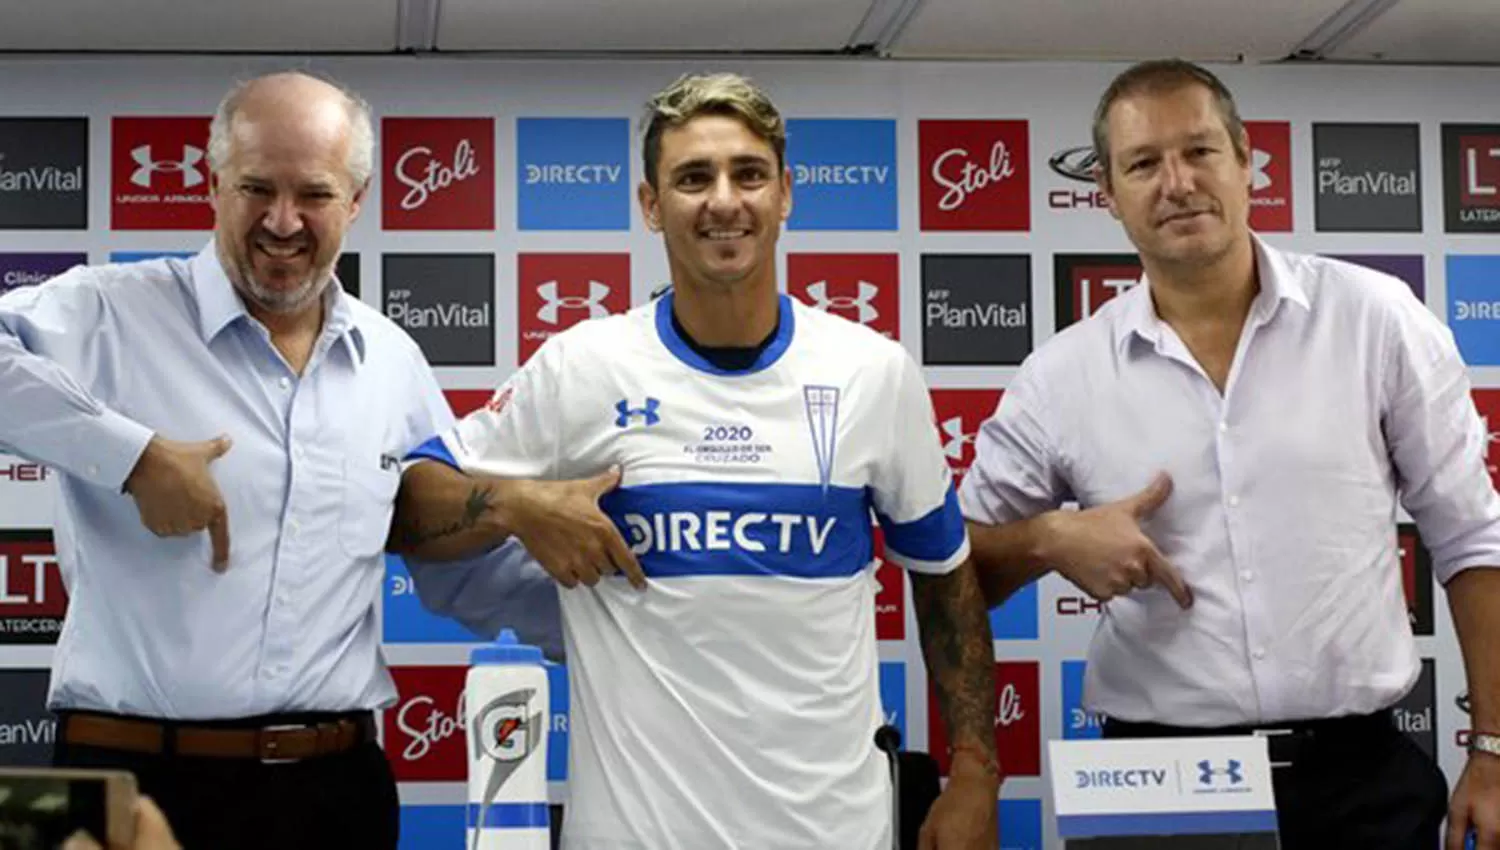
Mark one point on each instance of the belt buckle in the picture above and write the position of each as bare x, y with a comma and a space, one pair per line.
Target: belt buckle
263, 744
1270, 733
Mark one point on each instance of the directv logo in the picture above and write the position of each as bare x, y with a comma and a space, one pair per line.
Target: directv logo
571, 173
1143, 777
566, 174
845, 171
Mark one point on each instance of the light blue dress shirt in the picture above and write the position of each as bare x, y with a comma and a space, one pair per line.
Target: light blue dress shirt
95, 361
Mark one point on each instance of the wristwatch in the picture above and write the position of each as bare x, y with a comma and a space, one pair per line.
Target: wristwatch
1481, 743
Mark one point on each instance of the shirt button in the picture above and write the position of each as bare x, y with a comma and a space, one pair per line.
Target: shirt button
284, 382
1247, 576
1259, 654
1234, 501
293, 527
93, 469
1223, 427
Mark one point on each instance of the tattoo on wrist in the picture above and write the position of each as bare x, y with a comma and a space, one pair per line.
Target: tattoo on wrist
475, 505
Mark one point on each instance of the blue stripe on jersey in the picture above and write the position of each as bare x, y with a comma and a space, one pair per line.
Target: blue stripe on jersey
434, 449
934, 537
684, 352
744, 529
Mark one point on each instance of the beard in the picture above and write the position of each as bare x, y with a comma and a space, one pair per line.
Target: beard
283, 301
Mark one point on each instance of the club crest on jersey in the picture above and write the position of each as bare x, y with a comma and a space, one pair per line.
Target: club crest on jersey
647, 413
822, 405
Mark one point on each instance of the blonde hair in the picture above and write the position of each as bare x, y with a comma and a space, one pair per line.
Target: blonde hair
693, 95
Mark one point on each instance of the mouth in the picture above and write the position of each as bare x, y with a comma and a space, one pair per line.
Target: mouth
279, 251
723, 234
1185, 215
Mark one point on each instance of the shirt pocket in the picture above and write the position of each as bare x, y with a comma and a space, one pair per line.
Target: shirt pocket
369, 502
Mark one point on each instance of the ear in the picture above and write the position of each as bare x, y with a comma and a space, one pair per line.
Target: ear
357, 203
650, 206
213, 191
1101, 179
786, 193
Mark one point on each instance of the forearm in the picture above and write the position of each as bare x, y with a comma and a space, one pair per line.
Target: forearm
959, 651
443, 514
1474, 599
1009, 556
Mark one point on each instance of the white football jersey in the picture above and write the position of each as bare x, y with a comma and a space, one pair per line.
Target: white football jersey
733, 703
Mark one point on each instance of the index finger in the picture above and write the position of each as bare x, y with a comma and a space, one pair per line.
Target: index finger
218, 535
623, 559
1163, 571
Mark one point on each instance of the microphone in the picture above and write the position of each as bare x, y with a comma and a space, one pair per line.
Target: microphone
888, 738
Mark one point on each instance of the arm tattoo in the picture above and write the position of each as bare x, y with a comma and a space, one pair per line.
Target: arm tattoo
410, 535
959, 651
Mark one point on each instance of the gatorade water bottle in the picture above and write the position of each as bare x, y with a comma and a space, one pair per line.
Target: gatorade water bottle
506, 714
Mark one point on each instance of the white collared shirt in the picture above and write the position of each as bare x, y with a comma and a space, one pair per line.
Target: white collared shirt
1345, 395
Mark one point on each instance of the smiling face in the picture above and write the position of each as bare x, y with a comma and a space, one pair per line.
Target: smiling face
283, 197
1177, 180
719, 201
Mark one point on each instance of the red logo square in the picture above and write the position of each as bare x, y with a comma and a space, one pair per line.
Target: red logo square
1018, 720
557, 291
424, 732
890, 602
1270, 175
860, 287
437, 173
958, 415
32, 598
464, 402
1488, 403
1095, 285
1479, 170
159, 174
976, 175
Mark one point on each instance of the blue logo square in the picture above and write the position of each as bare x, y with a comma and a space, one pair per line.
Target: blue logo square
1017, 618
843, 173
1020, 825
1474, 307
573, 173
893, 696
430, 827
557, 730
1077, 722
406, 621
138, 256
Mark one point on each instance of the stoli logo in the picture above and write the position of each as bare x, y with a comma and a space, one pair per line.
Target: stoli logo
1018, 729
424, 733
436, 727
971, 177
975, 175
437, 175
1008, 711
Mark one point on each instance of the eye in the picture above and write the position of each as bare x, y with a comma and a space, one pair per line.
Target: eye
692, 180
255, 190
752, 174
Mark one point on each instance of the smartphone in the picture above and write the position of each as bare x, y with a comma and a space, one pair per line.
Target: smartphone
41, 806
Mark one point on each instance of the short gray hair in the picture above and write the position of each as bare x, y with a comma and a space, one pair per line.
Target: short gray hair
361, 158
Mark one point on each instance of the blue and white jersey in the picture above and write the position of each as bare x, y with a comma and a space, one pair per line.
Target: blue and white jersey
733, 703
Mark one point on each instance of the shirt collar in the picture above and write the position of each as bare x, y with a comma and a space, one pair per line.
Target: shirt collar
219, 305
1137, 316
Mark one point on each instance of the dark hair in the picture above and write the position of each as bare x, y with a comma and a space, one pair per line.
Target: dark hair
1157, 76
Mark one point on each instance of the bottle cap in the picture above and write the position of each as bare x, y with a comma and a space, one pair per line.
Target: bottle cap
506, 649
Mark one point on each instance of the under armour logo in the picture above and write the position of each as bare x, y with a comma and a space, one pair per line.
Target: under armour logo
953, 430
1259, 159
552, 302
627, 413
1207, 772
148, 165
860, 303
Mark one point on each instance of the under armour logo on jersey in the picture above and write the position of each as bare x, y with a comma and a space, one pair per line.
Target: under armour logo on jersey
148, 165
1207, 772
860, 303
953, 430
552, 302
822, 405
627, 413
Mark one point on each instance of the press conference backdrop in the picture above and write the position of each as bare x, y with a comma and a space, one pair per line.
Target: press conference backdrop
945, 205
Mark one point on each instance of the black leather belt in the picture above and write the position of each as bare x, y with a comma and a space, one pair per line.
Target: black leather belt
1286, 743
269, 739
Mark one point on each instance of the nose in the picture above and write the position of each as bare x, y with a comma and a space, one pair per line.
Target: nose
722, 195
282, 217
1177, 177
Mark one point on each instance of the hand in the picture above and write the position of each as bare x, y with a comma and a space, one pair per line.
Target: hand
562, 527
151, 832
964, 816
177, 495
1104, 552
1476, 804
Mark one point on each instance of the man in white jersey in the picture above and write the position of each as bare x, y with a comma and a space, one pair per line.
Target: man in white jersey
722, 649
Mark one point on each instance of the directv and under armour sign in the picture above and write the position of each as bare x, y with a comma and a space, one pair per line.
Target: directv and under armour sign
1471, 178
446, 302
44, 173
438, 173
976, 309
159, 174
573, 173
1367, 177
557, 291
858, 287
843, 173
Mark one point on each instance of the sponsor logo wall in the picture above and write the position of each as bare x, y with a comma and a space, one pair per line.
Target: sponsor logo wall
960, 219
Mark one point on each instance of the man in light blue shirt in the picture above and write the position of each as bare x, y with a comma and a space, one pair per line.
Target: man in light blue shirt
229, 429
